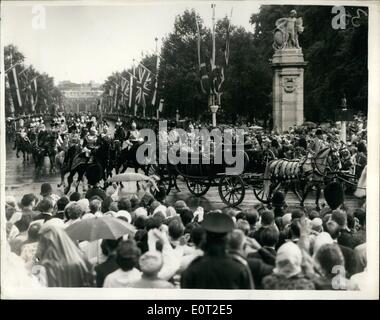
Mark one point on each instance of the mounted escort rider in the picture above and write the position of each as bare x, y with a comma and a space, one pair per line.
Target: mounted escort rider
133, 138
73, 146
90, 142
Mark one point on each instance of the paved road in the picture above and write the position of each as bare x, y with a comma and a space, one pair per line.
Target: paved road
21, 179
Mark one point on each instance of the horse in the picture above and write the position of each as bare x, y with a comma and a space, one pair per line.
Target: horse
46, 146
80, 164
115, 150
128, 159
24, 145
301, 174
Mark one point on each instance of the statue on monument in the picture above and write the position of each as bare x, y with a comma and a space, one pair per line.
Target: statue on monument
286, 32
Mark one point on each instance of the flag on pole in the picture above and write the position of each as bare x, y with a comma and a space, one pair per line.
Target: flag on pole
132, 92
124, 90
14, 72
156, 80
8, 87
116, 92
213, 37
227, 49
143, 84
204, 78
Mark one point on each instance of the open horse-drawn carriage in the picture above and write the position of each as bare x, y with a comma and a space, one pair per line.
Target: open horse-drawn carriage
262, 173
201, 173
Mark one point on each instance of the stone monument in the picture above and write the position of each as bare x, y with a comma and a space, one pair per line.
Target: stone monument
288, 65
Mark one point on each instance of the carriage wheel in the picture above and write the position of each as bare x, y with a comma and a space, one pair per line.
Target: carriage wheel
231, 190
259, 194
198, 187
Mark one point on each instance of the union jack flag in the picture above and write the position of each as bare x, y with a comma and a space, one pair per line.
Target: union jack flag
143, 84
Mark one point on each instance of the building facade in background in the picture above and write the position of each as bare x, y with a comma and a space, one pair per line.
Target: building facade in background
80, 97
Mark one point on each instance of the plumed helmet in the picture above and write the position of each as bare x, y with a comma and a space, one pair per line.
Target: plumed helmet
334, 195
94, 174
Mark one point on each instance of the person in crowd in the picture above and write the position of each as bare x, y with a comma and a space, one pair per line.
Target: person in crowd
47, 193
266, 220
351, 260
29, 247
361, 280
345, 237
288, 274
94, 175
360, 226
151, 263
23, 226
75, 196
278, 203
196, 242
73, 213
95, 207
28, 203
59, 261
269, 238
329, 262
127, 257
216, 269
110, 265
60, 207
46, 210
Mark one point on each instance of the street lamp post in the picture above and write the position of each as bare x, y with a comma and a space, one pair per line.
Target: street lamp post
177, 115
214, 109
343, 129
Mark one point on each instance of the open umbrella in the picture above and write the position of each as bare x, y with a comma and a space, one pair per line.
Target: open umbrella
100, 228
131, 176
255, 127
309, 124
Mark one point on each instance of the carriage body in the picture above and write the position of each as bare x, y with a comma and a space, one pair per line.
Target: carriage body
201, 172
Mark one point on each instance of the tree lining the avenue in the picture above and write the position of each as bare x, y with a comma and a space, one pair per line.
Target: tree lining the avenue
337, 65
32, 91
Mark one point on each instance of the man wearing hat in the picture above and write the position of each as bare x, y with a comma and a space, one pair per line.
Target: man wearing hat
216, 269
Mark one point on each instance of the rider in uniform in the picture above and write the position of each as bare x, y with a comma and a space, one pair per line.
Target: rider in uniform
133, 136
119, 131
90, 142
20, 130
74, 143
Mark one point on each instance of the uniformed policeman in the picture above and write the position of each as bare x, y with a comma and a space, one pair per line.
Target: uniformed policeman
216, 269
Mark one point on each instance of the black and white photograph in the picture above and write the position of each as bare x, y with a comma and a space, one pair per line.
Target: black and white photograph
190, 150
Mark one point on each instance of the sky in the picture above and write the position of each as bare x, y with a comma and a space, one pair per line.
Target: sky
86, 42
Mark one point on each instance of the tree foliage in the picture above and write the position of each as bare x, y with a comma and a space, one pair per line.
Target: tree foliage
49, 96
337, 65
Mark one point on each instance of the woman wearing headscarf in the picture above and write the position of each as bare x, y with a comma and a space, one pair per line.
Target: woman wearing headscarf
61, 263
288, 275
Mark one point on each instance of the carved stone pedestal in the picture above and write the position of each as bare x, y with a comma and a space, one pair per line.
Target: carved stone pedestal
288, 66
